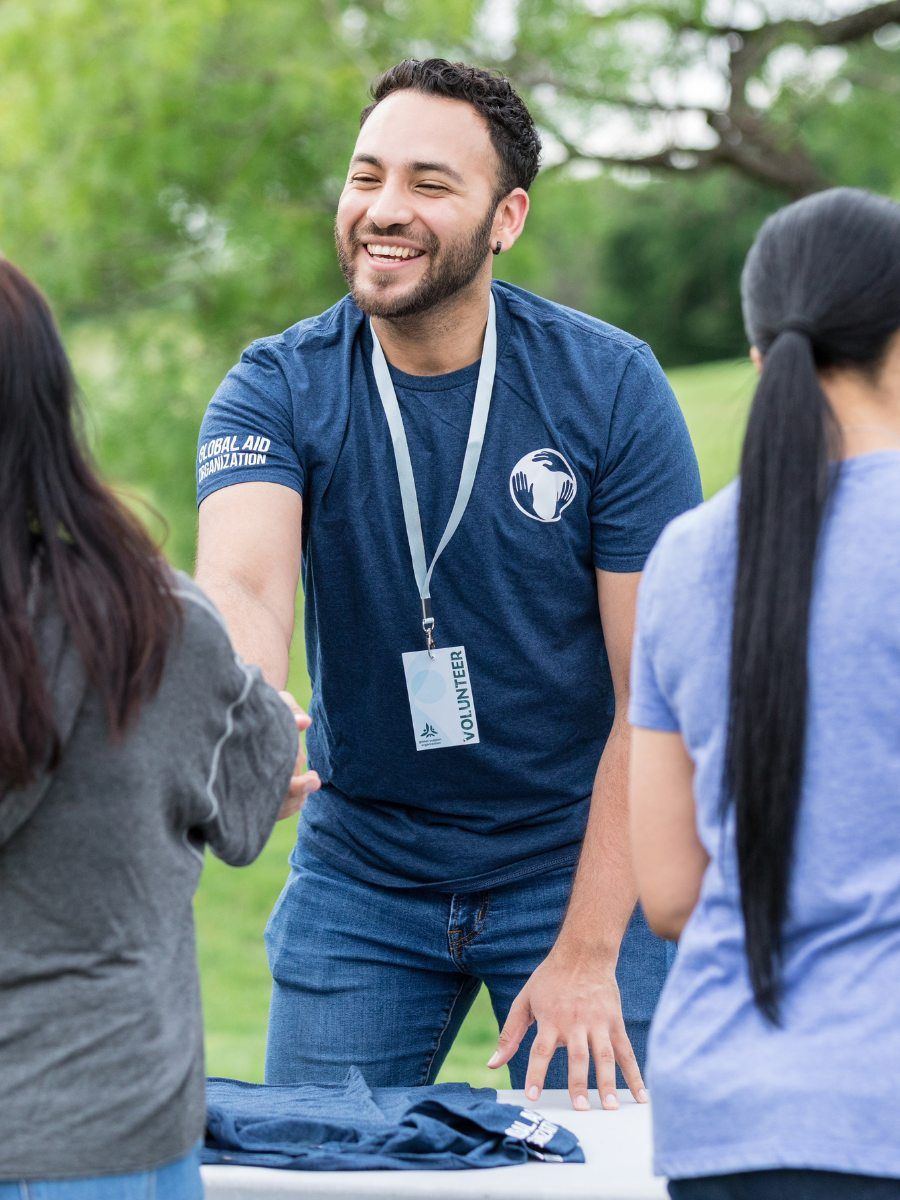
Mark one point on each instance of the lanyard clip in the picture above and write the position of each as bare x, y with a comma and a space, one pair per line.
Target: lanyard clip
428, 625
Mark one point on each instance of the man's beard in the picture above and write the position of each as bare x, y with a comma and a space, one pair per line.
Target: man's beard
450, 269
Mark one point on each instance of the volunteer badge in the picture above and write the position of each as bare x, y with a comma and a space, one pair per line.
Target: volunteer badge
440, 698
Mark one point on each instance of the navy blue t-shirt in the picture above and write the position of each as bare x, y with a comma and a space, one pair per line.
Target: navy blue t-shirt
586, 457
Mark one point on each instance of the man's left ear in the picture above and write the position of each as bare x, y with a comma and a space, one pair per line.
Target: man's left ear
509, 220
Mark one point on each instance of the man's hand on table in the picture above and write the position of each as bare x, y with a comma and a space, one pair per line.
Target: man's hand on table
575, 1002
302, 781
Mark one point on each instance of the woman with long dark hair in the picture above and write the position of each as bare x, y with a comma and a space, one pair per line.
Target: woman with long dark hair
130, 737
766, 751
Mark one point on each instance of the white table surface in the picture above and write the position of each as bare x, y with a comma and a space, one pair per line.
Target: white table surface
616, 1146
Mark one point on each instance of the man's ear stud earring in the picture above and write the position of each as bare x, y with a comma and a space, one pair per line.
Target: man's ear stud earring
498, 247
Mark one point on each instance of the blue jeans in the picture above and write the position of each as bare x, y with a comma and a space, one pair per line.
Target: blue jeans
176, 1181
382, 978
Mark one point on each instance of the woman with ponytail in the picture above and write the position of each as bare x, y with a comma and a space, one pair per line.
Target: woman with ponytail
130, 738
766, 744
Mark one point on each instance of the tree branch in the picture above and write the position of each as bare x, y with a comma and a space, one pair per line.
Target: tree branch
748, 140
670, 158
579, 91
849, 28
835, 32
791, 172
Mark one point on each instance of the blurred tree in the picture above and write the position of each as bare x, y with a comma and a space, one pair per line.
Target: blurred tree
702, 83
161, 153
661, 259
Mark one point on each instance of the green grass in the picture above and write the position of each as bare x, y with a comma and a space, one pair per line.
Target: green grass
714, 398
232, 906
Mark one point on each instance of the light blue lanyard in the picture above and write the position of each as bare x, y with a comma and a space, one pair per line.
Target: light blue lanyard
405, 476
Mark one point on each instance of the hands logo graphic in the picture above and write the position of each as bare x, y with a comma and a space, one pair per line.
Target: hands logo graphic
523, 493
543, 485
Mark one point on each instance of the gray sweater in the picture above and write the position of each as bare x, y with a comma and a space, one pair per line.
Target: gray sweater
101, 1040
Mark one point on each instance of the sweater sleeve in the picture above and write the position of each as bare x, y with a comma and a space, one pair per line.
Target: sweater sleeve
251, 749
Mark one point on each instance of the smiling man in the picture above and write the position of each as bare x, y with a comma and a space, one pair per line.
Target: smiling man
470, 479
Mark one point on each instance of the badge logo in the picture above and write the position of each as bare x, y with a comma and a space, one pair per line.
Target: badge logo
429, 733
542, 485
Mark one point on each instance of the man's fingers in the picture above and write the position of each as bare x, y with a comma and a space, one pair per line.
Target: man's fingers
631, 1072
303, 719
302, 785
579, 1065
514, 1029
289, 807
605, 1066
298, 789
542, 1050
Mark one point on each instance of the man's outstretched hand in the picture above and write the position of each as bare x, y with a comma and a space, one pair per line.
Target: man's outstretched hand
302, 781
576, 1005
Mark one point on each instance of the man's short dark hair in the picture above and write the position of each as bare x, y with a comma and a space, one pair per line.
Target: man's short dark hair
509, 122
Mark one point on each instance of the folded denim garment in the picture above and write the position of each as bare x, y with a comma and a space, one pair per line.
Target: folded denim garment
349, 1126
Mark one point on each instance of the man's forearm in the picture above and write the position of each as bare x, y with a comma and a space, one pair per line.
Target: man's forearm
256, 632
604, 892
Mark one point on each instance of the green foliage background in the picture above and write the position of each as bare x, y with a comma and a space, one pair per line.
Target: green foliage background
169, 172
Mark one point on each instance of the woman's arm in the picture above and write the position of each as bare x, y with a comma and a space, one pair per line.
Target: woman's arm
669, 859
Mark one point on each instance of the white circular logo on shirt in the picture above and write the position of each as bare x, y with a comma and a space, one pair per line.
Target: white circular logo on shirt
542, 485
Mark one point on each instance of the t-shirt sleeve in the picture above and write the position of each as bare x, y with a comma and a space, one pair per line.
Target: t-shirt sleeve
649, 474
247, 433
648, 706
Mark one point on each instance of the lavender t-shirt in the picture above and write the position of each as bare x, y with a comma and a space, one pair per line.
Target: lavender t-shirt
730, 1092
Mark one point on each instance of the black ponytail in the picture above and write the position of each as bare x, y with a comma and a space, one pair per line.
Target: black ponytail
821, 289
784, 488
